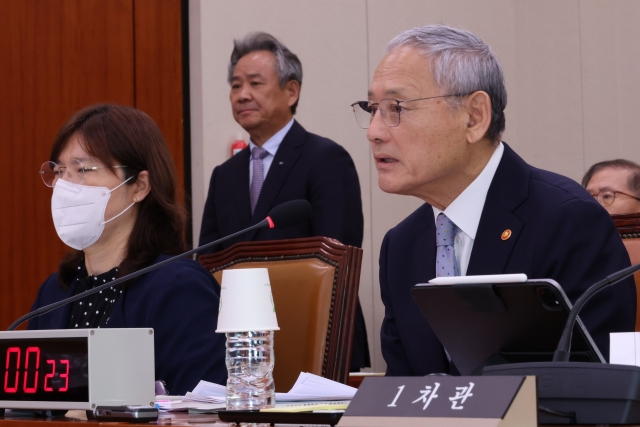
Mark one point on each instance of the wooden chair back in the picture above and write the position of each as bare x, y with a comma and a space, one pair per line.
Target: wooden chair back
314, 282
629, 227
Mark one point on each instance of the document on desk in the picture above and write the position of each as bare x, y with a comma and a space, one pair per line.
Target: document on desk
312, 387
208, 392
206, 397
163, 402
188, 405
209, 397
326, 405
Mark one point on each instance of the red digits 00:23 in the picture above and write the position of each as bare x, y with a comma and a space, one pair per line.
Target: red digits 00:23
31, 385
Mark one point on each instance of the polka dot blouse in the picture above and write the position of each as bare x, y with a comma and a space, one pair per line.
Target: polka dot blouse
93, 311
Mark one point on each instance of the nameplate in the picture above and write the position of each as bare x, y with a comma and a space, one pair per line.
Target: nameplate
500, 401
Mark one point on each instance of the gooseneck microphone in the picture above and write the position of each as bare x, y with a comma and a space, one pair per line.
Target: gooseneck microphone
563, 350
582, 392
284, 215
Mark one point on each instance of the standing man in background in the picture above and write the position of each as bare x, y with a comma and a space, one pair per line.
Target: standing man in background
615, 184
283, 162
435, 116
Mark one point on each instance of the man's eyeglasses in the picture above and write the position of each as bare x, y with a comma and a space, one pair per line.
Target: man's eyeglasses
50, 172
607, 197
389, 108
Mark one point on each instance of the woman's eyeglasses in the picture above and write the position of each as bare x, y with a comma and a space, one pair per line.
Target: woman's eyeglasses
74, 172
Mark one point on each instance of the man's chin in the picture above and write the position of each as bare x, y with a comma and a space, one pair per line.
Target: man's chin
390, 186
398, 187
247, 124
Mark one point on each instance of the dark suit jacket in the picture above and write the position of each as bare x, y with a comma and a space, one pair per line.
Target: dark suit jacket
306, 166
558, 231
179, 301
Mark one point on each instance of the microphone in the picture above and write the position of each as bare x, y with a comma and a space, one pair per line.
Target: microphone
563, 350
284, 215
582, 392
289, 214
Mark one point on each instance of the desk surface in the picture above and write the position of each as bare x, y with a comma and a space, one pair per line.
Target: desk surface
181, 419
166, 419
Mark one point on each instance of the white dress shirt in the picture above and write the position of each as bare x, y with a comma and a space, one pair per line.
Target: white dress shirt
271, 145
466, 209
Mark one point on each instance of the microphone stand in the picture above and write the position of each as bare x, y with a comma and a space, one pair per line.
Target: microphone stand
563, 351
265, 223
582, 392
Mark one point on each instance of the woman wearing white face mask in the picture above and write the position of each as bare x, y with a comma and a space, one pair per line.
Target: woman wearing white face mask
114, 202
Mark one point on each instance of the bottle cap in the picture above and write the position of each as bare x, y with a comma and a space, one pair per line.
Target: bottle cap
246, 302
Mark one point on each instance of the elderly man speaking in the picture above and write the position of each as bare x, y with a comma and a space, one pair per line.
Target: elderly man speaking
435, 116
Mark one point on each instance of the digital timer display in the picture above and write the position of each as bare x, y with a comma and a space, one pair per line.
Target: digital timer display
44, 369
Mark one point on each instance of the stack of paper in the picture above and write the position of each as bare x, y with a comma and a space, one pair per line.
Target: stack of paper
209, 397
206, 397
208, 392
310, 406
164, 403
188, 405
313, 387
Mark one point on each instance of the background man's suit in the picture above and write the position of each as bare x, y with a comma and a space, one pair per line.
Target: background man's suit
306, 166
558, 231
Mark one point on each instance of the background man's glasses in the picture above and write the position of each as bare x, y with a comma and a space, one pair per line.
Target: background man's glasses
389, 110
74, 172
607, 197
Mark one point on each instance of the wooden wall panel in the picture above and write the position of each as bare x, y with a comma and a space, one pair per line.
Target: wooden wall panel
55, 58
158, 67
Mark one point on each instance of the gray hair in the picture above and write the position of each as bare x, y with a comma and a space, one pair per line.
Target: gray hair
461, 63
288, 65
634, 177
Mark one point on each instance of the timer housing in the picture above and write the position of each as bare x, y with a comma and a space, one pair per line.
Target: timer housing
76, 369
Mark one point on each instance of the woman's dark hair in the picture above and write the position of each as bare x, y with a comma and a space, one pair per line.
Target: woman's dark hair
118, 135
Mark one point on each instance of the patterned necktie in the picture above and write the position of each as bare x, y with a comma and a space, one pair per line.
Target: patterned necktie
257, 154
445, 254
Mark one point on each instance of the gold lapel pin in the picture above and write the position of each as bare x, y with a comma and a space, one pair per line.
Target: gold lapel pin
506, 234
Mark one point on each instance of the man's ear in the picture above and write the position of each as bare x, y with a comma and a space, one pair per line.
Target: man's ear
478, 106
292, 90
142, 186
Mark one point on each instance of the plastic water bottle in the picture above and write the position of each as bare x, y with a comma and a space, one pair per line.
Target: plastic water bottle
250, 362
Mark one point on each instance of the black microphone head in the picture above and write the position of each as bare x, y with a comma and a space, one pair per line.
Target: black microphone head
289, 214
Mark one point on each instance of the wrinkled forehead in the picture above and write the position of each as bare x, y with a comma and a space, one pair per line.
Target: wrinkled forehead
259, 63
615, 179
404, 73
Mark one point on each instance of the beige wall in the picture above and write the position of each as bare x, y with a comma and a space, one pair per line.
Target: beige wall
572, 69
